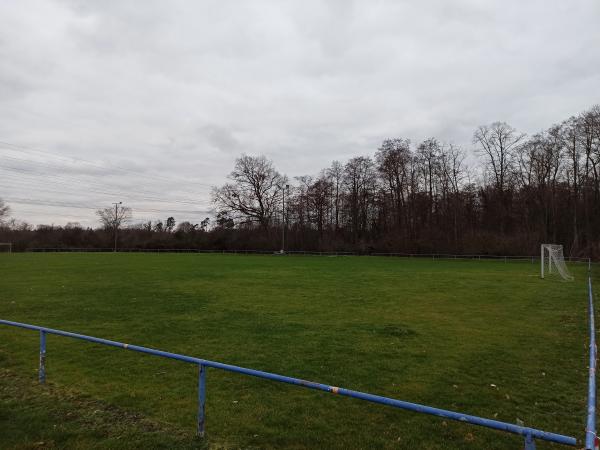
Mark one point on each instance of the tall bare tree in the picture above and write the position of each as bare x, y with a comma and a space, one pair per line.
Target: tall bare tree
114, 218
497, 143
319, 193
336, 174
359, 179
428, 160
4, 210
573, 173
393, 160
170, 224
452, 175
254, 193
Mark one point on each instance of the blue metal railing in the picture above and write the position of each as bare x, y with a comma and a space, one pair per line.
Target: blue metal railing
530, 434
590, 429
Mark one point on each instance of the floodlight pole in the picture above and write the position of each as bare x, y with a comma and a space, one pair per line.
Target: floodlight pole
116, 222
283, 189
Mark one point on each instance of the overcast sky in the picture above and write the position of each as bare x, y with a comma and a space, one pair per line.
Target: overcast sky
142, 101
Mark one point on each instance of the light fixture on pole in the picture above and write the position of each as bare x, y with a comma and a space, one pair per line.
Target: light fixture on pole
116, 222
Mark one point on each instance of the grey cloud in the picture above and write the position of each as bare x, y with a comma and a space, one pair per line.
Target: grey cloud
221, 138
173, 91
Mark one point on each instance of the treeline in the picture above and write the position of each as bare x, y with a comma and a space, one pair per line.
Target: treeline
515, 193
425, 198
187, 236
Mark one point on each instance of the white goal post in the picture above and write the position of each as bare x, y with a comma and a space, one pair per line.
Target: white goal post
5, 247
553, 255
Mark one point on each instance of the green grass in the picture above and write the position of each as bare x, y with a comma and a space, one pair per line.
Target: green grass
486, 338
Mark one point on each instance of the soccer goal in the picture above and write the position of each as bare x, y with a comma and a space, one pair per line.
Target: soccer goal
552, 254
5, 247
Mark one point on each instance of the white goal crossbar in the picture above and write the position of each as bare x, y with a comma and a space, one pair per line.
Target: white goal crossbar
553, 255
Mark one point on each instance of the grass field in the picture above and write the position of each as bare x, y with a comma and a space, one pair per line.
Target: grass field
486, 338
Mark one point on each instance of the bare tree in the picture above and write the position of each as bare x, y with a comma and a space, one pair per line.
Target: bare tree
573, 173
204, 224
453, 167
428, 159
540, 164
318, 195
359, 180
497, 143
336, 175
589, 135
254, 192
170, 224
187, 227
452, 174
4, 210
114, 218
300, 202
393, 159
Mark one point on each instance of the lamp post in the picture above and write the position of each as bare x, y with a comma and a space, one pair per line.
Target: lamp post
116, 222
283, 189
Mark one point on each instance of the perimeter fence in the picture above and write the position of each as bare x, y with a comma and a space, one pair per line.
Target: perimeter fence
481, 257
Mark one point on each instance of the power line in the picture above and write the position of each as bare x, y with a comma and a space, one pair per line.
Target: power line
65, 180
52, 168
40, 173
60, 204
125, 193
50, 214
92, 163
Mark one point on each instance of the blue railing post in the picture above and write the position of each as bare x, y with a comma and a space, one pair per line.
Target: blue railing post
201, 398
42, 370
590, 429
529, 442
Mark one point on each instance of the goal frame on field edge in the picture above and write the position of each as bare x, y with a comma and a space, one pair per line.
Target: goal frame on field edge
7, 244
549, 248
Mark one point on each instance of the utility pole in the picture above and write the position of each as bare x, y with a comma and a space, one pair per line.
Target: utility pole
287, 187
116, 222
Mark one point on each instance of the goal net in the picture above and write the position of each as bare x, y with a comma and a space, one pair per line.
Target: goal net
5, 247
553, 260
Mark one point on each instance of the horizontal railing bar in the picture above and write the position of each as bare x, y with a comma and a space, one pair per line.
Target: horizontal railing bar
466, 418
